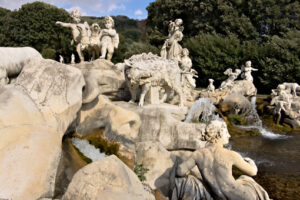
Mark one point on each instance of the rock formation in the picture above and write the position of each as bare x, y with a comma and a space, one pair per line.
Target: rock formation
108, 178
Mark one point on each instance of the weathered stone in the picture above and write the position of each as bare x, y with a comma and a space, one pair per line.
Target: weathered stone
55, 88
103, 77
105, 179
35, 113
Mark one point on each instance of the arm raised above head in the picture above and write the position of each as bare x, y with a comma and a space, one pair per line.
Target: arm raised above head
246, 165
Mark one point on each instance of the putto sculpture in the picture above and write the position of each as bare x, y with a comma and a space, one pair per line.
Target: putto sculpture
172, 49
247, 71
109, 39
232, 76
211, 87
285, 100
93, 39
215, 164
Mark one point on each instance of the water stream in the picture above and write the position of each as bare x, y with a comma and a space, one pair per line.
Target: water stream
87, 149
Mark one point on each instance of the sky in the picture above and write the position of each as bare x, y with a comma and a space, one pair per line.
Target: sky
132, 8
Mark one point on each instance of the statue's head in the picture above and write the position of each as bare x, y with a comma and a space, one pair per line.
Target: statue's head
75, 14
211, 80
248, 63
178, 22
185, 52
217, 132
109, 22
95, 27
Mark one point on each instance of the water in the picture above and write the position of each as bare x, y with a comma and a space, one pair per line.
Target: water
203, 110
87, 149
276, 156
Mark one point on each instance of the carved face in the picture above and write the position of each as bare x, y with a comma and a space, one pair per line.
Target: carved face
75, 16
248, 63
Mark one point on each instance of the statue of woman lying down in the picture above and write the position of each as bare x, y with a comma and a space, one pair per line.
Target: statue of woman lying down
215, 165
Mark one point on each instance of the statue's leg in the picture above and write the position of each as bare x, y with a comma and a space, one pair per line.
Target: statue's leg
78, 49
110, 52
103, 51
133, 91
145, 89
178, 90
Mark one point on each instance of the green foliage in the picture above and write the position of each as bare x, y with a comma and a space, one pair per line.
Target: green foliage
34, 25
48, 53
140, 171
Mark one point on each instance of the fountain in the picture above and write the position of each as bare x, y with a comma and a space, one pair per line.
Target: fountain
87, 149
202, 110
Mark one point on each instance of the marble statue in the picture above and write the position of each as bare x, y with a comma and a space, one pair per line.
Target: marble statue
285, 99
211, 87
247, 71
150, 73
77, 38
215, 166
72, 59
61, 59
109, 39
231, 78
94, 48
172, 49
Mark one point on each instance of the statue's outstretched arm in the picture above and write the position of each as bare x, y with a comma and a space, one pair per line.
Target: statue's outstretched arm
246, 165
185, 167
68, 25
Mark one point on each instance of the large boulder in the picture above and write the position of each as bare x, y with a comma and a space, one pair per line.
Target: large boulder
55, 88
103, 77
105, 179
35, 113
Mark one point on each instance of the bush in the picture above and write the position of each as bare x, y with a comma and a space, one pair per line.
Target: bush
140, 171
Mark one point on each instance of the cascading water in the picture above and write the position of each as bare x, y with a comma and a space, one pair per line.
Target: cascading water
257, 123
87, 149
202, 110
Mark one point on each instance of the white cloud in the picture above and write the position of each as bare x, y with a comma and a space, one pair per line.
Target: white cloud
87, 7
138, 12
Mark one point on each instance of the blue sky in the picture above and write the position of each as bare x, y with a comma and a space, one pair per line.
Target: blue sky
131, 8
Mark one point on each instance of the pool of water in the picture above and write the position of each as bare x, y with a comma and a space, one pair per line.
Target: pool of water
278, 162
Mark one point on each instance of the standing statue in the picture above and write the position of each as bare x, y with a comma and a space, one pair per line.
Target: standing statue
231, 78
72, 58
94, 48
61, 59
215, 166
172, 49
211, 87
186, 67
247, 71
109, 39
77, 38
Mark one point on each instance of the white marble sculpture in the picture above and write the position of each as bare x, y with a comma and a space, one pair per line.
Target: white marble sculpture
150, 73
94, 48
247, 71
228, 83
211, 87
215, 166
72, 59
109, 39
172, 49
285, 100
61, 59
75, 31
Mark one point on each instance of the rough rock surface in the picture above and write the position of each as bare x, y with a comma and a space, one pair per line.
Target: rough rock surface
35, 113
242, 87
105, 179
159, 161
103, 77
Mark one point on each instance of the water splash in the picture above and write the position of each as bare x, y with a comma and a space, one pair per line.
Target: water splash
202, 110
87, 149
257, 123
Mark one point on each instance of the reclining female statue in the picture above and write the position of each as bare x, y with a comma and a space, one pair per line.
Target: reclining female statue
215, 165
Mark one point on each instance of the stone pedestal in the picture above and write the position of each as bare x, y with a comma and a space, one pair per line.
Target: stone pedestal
152, 97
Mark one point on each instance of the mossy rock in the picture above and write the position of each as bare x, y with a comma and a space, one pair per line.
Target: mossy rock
234, 131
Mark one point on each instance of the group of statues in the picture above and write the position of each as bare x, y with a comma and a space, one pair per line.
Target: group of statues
285, 99
245, 72
92, 38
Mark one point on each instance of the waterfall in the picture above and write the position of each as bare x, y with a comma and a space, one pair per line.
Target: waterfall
87, 149
202, 110
257, 123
